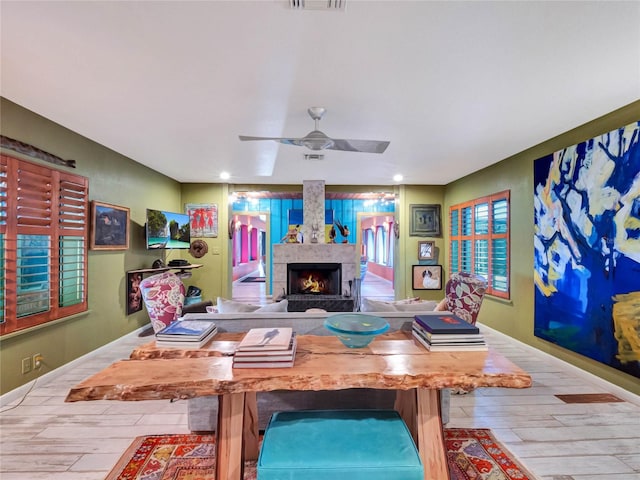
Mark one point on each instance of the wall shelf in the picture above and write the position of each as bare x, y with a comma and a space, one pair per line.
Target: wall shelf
190, 266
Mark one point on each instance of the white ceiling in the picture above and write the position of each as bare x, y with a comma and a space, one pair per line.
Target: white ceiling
454, 86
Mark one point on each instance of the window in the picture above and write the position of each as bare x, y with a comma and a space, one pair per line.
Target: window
43, 244
479, 240
381, 245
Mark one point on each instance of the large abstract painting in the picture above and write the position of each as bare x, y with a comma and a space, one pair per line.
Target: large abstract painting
587, 248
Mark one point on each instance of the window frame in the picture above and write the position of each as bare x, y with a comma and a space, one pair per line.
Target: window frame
456, 252
65, 219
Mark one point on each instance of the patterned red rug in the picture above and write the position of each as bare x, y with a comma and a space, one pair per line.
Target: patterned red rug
473, 454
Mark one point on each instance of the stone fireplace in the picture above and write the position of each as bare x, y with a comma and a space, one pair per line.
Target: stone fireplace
330, 264
314, 278
323, 257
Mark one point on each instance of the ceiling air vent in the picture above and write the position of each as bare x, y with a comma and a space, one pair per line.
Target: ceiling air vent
318, 4
313, 156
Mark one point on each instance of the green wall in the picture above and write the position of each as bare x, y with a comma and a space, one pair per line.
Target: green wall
407, 254
115, 179
213, 277
515, 317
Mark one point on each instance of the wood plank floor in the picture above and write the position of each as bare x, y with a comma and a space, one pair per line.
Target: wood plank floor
45, 438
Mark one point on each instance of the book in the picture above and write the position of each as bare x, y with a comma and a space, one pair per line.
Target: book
186, 330
267, 360
441, 324
264, 339
457, 347
273, 355
184, 343
445, 337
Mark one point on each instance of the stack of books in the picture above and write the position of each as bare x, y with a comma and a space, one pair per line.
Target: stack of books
266, 348
441, 333
186, 333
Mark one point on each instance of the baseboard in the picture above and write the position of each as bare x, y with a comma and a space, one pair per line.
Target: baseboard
577, 371
48, 377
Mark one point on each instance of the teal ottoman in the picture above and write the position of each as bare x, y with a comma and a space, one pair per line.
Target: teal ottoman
336, 444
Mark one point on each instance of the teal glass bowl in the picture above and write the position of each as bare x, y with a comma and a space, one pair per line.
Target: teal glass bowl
356, 330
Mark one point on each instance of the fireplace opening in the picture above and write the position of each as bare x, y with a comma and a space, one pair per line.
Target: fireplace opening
314, 278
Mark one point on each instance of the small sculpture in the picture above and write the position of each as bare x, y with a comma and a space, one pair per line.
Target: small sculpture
294, 235
332, 235
344, 231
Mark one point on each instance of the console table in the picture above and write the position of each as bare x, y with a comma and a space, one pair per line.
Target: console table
391, 361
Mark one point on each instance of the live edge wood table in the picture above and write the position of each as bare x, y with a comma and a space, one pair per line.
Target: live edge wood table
392, 361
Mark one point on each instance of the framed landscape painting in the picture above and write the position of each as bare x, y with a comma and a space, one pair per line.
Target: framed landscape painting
109, 229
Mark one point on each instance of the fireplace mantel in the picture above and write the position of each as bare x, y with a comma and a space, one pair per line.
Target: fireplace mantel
284, 253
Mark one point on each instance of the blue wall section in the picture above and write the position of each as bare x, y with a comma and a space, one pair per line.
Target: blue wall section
345, 211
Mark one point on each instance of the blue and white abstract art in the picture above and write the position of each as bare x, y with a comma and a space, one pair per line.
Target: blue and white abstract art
587, 248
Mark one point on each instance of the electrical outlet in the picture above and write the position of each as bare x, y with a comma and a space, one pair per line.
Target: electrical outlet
26, 365
37, 361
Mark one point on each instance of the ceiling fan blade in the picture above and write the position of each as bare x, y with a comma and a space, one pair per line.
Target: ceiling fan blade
286, 141
365, 146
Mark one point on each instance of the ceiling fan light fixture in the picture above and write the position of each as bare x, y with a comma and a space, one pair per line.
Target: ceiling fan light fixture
336, 5
317, 143
317, 140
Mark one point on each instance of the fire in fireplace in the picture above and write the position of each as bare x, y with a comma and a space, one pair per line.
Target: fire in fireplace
314, 278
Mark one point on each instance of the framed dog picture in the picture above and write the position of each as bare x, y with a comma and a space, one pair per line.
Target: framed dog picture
427, 277
426, 250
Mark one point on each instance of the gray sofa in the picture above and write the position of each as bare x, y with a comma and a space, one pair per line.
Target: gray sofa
203, 411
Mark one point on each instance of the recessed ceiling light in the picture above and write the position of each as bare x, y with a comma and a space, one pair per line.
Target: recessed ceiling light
397, 177
225, 176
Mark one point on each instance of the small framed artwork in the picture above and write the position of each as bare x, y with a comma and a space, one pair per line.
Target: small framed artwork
427, 277
134, 294
203, 218
426, 250
425, 221
109, 228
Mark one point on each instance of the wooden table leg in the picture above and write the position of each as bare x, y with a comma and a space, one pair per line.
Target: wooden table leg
431, 435
229, 461
251, 433
406, 406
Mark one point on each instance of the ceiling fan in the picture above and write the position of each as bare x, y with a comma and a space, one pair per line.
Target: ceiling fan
316, 140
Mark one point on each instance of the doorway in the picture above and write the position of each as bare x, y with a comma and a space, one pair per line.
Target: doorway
377, 242
249, 253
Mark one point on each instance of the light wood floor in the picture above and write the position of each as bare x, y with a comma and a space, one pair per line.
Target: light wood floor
46, 438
